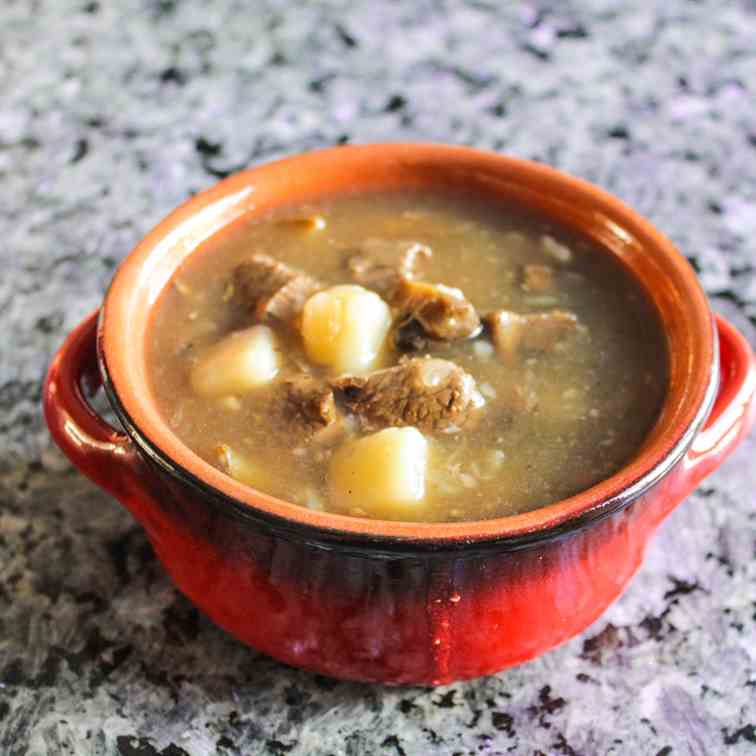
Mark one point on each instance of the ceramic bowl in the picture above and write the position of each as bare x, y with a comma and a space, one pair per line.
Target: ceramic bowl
396, 602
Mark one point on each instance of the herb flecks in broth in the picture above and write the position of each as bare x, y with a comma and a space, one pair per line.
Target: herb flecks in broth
408, 356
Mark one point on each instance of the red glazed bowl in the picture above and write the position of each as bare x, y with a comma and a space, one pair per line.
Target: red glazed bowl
397, 602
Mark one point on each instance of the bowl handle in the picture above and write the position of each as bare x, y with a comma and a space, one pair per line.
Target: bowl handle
102, 453
734, 410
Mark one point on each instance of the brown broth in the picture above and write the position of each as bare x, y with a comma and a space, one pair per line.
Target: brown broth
598, 394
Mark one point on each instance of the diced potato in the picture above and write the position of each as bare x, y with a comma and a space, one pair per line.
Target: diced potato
344, 327
242, 468
382, 475
237, 364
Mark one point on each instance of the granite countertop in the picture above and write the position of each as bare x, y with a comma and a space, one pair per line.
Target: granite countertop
113, 113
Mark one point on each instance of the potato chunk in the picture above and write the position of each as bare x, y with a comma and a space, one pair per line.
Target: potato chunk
381, 475
344, 327
237, 364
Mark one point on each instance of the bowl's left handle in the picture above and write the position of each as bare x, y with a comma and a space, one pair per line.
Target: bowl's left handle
102, 453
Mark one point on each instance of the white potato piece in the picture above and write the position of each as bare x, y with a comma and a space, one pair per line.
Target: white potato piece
381, 475
240, 362
344, 327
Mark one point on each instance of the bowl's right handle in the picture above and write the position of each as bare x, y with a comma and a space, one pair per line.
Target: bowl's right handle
103, 454
734, 410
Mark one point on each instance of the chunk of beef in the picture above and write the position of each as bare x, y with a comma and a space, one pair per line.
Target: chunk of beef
443, 312
381, 264
536, 332
538, 279
272, 289
429, 394
390, 267
307, 403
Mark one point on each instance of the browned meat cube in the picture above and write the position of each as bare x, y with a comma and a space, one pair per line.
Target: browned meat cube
307, 403
537, 332
538, 279
390, 267
382, 264
272, 289
443, 312
429, 394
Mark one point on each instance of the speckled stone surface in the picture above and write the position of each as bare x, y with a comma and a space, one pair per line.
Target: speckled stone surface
111, 113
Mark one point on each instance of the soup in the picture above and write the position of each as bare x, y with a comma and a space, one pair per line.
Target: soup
413, 356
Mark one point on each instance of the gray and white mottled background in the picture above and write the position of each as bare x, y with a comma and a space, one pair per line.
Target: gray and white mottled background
111, 113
